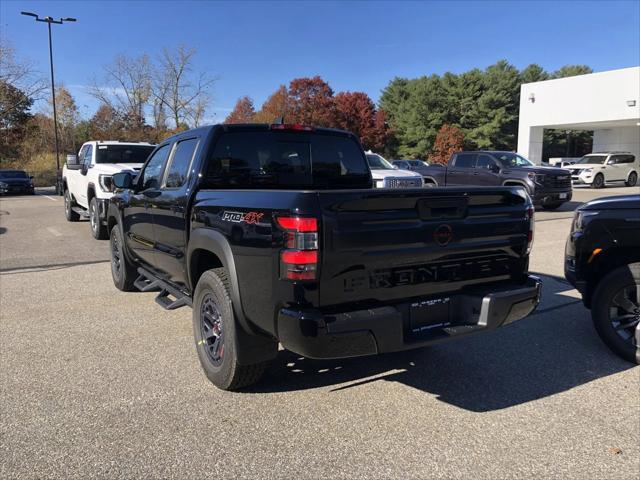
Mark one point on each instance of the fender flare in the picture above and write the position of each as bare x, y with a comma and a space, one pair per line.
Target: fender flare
254, 346
91, 186
517, 183
216, 243
432, 179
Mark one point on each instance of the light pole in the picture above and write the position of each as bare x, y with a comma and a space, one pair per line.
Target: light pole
49, 21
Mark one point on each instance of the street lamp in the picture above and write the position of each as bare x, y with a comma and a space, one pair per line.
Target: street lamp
49, 21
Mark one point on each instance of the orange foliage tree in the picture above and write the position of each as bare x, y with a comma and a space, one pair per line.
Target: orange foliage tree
448, 141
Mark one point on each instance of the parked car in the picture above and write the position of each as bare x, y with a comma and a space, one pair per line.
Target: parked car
86, 179
338, 269
16, 182
549, 187
602, 260
417, 166
385, 175
596, 169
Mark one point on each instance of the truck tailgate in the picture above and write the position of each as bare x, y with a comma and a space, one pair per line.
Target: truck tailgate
381, 246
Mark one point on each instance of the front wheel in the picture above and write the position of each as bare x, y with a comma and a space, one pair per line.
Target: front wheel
98, 230
214, 329
616, 310
598, 181
632, 180
123, 272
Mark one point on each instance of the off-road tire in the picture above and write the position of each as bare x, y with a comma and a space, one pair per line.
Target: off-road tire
598, 181
98, 230
69, 214
123, 272
607, 289
224, 372
632, 180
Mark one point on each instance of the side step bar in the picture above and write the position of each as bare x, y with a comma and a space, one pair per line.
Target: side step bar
81, 211
169, 297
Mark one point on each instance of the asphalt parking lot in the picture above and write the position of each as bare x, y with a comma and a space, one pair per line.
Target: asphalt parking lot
99, 383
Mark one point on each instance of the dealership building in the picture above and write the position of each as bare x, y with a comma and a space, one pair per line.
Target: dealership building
607, 103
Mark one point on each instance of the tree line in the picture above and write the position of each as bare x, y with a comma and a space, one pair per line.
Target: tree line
148, 98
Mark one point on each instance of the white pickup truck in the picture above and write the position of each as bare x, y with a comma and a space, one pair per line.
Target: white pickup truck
86, 179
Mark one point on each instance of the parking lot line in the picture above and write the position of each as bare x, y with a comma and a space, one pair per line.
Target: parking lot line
54, 232
47, 196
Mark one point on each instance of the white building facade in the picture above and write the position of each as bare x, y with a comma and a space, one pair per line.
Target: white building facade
606, 102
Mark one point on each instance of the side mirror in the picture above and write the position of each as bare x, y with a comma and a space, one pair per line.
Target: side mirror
30, 177
494, 168
123, 180
72, 160
611, 161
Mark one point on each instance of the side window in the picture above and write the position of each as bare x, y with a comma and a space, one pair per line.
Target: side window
484, 161
178, 170
465, 160
81, 154
86, 161
153, 170
627, 159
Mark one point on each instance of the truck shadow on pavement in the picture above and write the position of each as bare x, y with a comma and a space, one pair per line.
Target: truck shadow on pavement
553, 350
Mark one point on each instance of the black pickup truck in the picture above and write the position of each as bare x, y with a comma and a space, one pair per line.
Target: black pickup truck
275, 234
602, 260
548, 187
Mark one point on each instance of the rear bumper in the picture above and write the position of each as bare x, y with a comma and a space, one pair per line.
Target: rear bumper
388, 329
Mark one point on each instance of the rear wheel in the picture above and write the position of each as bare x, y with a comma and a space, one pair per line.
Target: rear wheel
123, 272
616, 310
68, 207
98, 230
598, 181
632, 180
214, 329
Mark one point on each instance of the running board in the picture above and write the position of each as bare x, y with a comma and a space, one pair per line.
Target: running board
169, 297
81, 211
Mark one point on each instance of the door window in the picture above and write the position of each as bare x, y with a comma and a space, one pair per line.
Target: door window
152, 173
86, 161
465, 160
178, 169
485, 161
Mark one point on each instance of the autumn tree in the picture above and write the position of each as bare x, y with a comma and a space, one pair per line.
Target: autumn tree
356, 112
14, 119
448, 141
243, 112
275, 107
107, 124
311, 101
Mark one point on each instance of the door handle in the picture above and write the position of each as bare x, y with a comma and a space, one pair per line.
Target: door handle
151, 193
476, 173
177, 208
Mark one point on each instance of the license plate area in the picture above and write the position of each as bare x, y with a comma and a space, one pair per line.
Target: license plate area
427, 317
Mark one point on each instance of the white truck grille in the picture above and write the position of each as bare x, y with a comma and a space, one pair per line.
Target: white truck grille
402, 182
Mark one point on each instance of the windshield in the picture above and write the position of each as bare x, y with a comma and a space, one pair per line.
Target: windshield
376, 162
123, 153
17, 174
512, 160
592, 159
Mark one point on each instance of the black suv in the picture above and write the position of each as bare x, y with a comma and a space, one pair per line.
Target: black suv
602, 260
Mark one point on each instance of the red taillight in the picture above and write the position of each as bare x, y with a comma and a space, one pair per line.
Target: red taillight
294, 127
299, 261
299, 257
299, 224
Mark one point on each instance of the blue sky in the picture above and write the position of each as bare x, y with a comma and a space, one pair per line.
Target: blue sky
253, 47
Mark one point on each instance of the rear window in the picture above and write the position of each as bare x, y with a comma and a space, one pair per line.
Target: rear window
123, 153
286, 160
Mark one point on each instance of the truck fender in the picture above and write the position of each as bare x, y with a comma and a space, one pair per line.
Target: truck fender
256, 347
510, 183
428, 178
